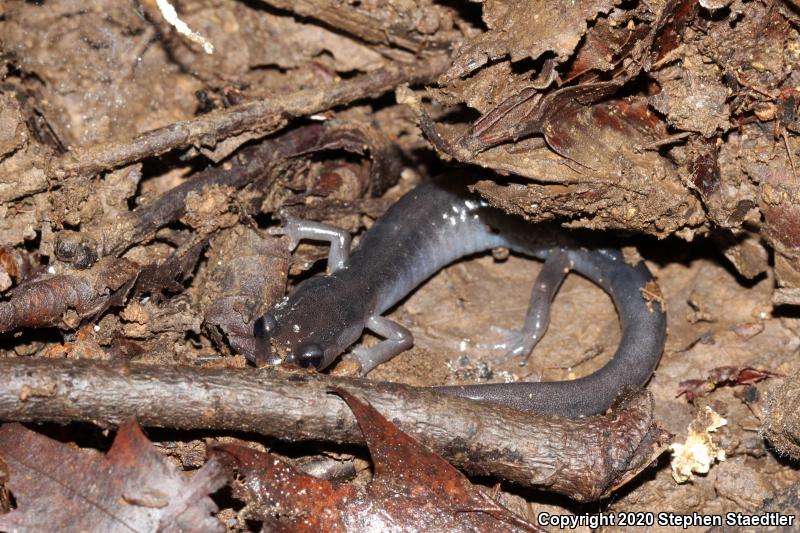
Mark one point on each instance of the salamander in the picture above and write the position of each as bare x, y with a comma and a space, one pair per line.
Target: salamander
433, 225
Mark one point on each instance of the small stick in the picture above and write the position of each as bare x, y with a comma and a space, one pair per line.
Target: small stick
248, 165
263, 116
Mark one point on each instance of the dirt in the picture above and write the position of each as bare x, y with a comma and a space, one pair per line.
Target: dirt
671, 127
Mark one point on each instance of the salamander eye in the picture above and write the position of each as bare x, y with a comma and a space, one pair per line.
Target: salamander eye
310, 355
264, 326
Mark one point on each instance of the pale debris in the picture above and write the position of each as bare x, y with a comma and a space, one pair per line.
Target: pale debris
171, 16
699, 452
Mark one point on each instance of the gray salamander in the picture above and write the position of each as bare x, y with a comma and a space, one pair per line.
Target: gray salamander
430, 227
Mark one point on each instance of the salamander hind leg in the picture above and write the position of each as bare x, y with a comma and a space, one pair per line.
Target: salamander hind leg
297, 230
397, 339
521, 343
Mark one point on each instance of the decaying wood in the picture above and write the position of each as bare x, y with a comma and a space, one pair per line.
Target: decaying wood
582, 458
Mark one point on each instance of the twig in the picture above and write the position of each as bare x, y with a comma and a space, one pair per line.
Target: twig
250, 163
262, 116
171, 16
581, 458
639, 148
789, 152
368, 25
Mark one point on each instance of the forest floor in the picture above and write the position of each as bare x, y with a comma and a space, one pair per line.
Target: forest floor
141, 168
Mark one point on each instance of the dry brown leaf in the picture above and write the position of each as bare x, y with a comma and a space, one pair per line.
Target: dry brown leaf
527, 29
132, 489
413, 489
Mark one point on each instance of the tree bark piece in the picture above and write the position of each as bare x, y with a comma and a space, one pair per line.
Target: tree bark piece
584, 459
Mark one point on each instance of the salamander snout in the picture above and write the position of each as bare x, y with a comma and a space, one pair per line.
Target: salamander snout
312, 326
297, 352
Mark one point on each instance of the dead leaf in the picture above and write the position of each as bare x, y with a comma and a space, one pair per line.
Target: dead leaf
720, 376
524, 29
132, 489
413, 489
68, 298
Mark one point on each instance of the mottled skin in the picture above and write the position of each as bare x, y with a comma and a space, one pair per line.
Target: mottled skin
429, 228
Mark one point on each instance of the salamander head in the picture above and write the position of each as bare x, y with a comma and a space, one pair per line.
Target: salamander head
312, 326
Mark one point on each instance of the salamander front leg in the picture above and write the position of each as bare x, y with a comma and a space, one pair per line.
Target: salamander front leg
521, 343
398, 339
297, 230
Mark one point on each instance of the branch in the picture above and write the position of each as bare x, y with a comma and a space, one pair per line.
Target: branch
368, 25
262, 116
584, 459
250, 163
